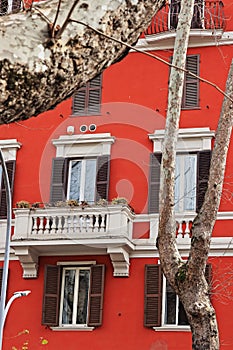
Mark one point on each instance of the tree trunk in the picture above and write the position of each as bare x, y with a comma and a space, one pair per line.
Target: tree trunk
47, 61
188, 277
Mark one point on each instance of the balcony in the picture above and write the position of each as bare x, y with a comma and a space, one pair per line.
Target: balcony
73, 231
208, 15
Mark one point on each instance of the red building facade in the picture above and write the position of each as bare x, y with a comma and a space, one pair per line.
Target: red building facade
93, 269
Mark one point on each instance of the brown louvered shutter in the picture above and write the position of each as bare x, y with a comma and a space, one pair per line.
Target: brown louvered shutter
102, 178
203, 166
96, 291
16, 4
3, 7
1, 273
191, 84
153, 296
79, 101
94, 99
154, 182
87, 99
10, 166
51, 299
59, 179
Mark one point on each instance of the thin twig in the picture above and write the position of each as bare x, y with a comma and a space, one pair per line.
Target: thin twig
56, 17
67, 20
155, 57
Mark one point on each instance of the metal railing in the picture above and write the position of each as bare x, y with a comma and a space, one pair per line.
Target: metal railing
207, 15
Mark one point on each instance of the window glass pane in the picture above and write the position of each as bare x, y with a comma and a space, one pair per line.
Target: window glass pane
170, 306
84, 277
177, 183
190, 182
182, 318
68, 299
90, 180
75, 180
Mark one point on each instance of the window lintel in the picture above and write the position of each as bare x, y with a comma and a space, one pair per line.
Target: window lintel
189, 139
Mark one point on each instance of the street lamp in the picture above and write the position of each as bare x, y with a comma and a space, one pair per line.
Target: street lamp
19, 294
16, 295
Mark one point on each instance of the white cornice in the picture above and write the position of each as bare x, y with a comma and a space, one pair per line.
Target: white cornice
197, 38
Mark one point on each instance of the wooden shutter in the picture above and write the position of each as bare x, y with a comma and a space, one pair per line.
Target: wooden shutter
16, 4
10, 166
191, 84
102, 178
1, 273
79, 102
3, 7
203, 166
95, 306
153, 296
87, 99
51, 299
59, 179
154, 182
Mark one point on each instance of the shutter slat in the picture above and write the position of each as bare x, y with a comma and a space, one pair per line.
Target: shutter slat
203, 166
153, 296
154, 182
10, 166
59, 180
50, 311
96, 291
102, 178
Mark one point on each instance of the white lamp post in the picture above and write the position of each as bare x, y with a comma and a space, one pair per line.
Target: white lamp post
16, 295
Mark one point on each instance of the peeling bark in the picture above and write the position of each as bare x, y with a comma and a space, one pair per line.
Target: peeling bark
38, 71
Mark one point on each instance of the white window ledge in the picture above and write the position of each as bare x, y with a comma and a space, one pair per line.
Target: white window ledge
171, 328
73, 328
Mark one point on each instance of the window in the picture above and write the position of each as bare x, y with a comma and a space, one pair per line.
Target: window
173, 313
84, 179
81, 184
87, 99
73, 295
162, 307
185, 182
191, 180
198, 13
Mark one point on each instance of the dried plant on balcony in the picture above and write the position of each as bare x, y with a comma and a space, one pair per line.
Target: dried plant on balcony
23, 204
119, 200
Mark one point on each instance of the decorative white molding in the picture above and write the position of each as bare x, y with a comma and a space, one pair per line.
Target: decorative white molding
189, 139
197, 38
82, 145
9, 148
29, 261
120, 261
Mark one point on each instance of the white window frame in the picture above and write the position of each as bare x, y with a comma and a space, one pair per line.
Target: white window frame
72, 327
182, 197
82, 178
164, 324
75, 298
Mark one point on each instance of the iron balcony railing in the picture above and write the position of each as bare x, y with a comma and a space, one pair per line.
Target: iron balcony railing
206, 15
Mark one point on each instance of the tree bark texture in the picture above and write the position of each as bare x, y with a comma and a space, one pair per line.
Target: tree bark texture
188, 277
42, 62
